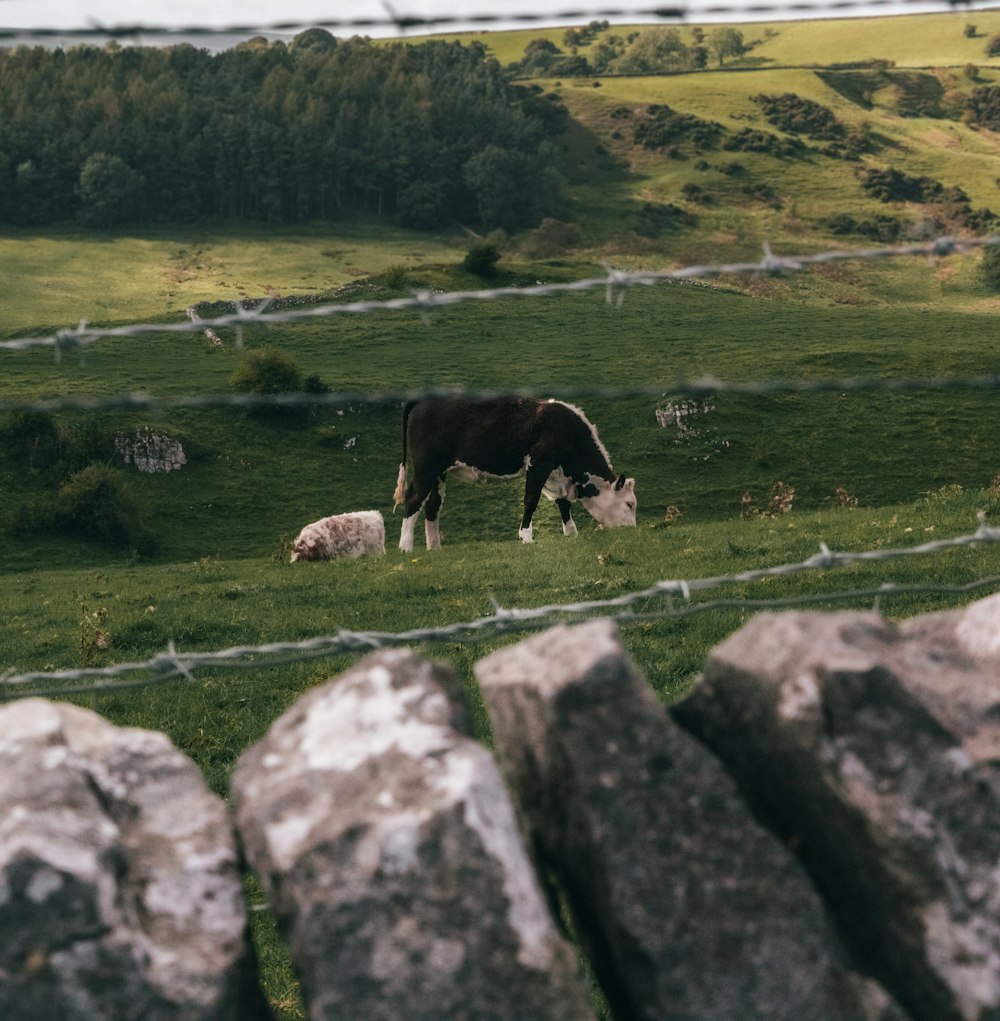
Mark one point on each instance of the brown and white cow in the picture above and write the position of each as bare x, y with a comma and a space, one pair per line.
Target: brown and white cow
552, 442
341, 536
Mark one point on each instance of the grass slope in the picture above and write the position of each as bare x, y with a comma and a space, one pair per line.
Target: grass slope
920, 463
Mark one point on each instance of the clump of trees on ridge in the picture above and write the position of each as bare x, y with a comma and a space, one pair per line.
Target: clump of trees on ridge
429, 134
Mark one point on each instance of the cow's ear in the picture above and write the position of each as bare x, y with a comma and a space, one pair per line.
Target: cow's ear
620, 482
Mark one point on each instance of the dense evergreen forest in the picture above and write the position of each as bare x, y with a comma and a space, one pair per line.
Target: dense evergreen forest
428, 134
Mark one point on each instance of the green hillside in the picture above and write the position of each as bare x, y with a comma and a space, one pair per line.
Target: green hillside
102, 564
899, 89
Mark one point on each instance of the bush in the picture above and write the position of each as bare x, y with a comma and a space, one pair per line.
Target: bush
891, 185
95, 503
751, 140
983, 107
692, 192
656, 218
799, 116
481, 259
989, 267
267, 372
660, 127
551, 237
30, 439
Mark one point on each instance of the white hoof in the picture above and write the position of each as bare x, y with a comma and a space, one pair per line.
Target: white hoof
524, 534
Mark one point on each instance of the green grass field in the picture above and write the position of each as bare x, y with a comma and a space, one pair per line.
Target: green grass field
921, 463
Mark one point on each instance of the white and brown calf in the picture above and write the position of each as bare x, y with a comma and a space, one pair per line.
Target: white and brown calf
341, 536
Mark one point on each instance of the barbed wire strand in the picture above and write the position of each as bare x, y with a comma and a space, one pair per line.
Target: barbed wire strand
395, 21
614, 282
172, 664
703, 386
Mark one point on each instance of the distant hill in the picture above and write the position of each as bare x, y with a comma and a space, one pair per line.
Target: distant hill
823, 132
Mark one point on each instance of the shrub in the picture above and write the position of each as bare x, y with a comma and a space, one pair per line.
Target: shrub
694, 192
881, 227
395, 278
761, 192
891, 185
661, 127
551, 237
983, 106
266, 371
989, 267
30, 439
95, 503
791, 113
654, 218
993, 46
481, 259
750, 140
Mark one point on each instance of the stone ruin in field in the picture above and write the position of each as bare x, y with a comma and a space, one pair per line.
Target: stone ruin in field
812, 835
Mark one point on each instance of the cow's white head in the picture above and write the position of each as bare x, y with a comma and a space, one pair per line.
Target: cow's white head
614, 503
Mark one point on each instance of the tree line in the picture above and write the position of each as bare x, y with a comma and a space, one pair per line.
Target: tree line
659, 50
428, 134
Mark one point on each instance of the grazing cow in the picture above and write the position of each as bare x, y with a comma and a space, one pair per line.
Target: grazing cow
552, 442
341, 536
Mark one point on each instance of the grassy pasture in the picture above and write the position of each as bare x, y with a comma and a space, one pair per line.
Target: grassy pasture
252, 479
920, 463
55, 278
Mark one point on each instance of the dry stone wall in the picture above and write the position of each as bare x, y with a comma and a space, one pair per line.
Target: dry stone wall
813, 833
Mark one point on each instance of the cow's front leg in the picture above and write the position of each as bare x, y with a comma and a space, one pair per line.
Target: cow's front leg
533, 483
569, 525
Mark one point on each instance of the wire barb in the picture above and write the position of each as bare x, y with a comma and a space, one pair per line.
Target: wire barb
167, 666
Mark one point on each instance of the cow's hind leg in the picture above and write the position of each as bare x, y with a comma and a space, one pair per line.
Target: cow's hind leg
534, 481
569, 525
432, 527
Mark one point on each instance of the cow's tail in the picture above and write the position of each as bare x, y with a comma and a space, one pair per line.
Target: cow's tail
400, 493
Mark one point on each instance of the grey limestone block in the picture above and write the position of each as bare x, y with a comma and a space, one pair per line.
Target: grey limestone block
687, 907
392, 858
120, 883
873, 747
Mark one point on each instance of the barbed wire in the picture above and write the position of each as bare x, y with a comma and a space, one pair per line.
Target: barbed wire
393, 21
703, 386
172, 664
615, 283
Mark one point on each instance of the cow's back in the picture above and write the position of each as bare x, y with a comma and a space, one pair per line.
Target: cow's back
491, 434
